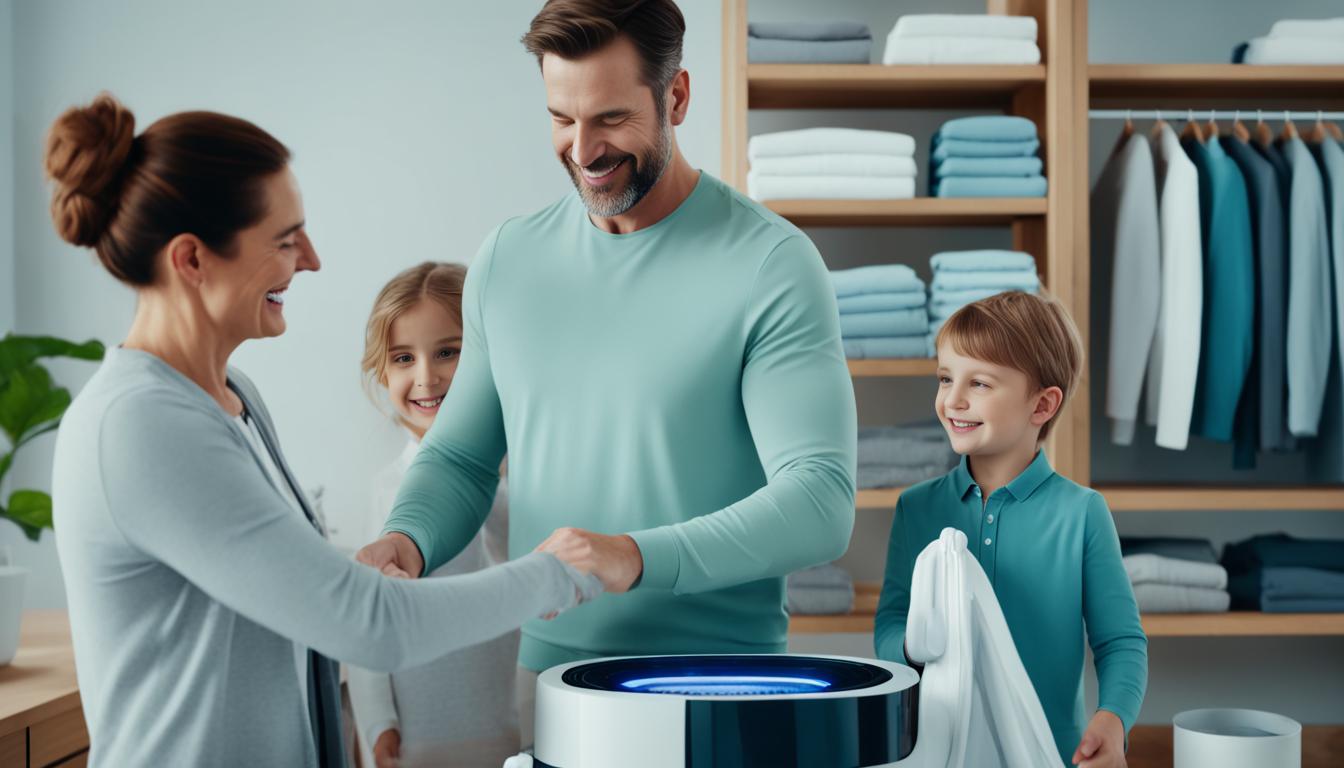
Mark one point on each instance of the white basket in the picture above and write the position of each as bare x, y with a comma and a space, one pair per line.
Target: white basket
1236, 738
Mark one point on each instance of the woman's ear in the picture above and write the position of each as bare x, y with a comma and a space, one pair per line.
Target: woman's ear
1048, 402
185, 253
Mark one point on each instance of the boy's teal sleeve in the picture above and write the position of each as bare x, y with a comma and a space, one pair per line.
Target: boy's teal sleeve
1114, 631
894, 605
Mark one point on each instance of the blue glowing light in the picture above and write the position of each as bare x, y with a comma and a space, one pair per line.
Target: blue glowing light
726, 685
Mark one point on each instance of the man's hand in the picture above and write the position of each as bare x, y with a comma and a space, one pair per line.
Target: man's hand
615, 560
387, 749
1103, 743
395, 555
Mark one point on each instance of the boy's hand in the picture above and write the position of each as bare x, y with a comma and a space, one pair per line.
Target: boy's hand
615, 560
395, 555
1103, 743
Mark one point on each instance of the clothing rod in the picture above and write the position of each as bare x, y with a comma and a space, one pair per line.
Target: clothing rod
1213, 114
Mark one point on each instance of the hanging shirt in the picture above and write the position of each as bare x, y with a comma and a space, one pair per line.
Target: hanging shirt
1125, 232
1049, 549
1228, 320
1309, 328
1328, 459
1174, 366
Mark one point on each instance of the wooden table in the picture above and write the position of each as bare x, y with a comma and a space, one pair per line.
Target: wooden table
41, 723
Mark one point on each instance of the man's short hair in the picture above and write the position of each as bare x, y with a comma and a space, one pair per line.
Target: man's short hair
572, 29
1032, 334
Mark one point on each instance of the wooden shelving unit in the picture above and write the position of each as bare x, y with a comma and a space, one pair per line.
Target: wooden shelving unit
918, 212
850, 86
1175, 498
913, 367
1210, 85
877, 498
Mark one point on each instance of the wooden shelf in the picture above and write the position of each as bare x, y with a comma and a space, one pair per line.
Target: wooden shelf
1143, 86
1163, 498
870, 86
1233, 624
877, 498
894, 367
915, 212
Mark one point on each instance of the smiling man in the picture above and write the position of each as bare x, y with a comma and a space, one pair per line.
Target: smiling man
661, 357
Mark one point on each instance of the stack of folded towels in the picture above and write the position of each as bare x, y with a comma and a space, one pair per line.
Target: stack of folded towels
1277, 573
891, 457
1296, 41
986, 156
962, 277
824, 589
1175, 575
809, 42
883, 311
835, 163
962, 39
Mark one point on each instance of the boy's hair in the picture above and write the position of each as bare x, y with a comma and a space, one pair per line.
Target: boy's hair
1032, 334
436, 281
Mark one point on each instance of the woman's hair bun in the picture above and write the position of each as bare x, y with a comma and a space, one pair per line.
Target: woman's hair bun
86, 156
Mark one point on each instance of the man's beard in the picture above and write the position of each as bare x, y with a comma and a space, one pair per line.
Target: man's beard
606, 201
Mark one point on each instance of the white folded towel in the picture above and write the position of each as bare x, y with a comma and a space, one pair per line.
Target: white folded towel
830, 187
959, 50
830, 141
1156, 569
1331, 29
1169, 598
966, 25
1295, 50
836, 165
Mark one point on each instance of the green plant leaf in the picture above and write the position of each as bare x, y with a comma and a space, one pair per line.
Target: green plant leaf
5, 462
24, 396
21, 351
31, 510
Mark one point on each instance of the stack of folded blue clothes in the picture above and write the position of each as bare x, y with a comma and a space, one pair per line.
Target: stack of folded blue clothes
809, 42
883, 312
1171, 575
986, 156
961, 277
1278, 573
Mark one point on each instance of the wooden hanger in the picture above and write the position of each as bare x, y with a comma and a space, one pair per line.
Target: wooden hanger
1317, 134
1263, 136
1211, 130
1289, 130
1158, 124
1239, 130
1335, 132
1192, 129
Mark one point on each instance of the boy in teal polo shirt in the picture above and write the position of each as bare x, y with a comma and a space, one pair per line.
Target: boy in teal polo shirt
1006, 366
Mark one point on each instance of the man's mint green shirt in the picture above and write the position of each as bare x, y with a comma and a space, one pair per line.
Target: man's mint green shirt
1049, 548
683, 383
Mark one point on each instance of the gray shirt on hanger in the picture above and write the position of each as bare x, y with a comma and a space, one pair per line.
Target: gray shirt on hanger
1309, 327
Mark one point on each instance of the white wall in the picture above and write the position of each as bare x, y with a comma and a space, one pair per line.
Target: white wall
415, 128
6, 166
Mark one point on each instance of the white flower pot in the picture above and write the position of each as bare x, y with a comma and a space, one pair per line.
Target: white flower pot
1236, 738
12, 579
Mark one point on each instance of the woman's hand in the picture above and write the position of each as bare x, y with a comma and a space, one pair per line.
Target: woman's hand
615, 560
395, 555
1103, 743
387, 749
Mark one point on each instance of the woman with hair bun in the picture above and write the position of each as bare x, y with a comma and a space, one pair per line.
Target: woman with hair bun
206, 608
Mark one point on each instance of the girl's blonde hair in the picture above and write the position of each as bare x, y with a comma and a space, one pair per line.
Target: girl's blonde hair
436, 281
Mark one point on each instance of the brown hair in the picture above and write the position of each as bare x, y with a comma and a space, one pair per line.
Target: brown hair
433, 280
572, 29
127, 196
1032, 334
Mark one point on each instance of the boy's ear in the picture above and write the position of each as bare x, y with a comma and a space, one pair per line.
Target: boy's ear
1048, 402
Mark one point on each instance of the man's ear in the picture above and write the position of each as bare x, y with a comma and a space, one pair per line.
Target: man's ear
679, 97
185, 255
1048, 402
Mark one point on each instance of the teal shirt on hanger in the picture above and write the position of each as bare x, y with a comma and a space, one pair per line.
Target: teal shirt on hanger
1229, 290
1049, 548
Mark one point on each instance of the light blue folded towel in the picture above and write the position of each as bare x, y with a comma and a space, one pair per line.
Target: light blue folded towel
836, 29
945, 303
946, 148
891, 347
899, 322
979, 261
768, 50
1006, 280
880, 278
989, 128
881, 302
988, 186
988, 166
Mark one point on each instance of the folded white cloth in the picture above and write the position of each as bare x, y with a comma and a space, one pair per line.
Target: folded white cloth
829, 187
830, 141
836, 165
966, 25
1014, 280
1168, 598
1295, 50
1156, 569
1331, 29
960, 50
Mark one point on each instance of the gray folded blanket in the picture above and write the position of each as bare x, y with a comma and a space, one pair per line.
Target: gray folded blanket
1155, 569
1168, 598
881, 476
828, 576
764, 50
908, 445
835, 29
820, 590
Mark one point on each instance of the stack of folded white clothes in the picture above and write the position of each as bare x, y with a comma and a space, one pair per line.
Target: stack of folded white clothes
809, 42
883, 312
1296, 41
962, 277
962, 39
986, 156
1175, 575
824, 589
891, 457
834, 163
